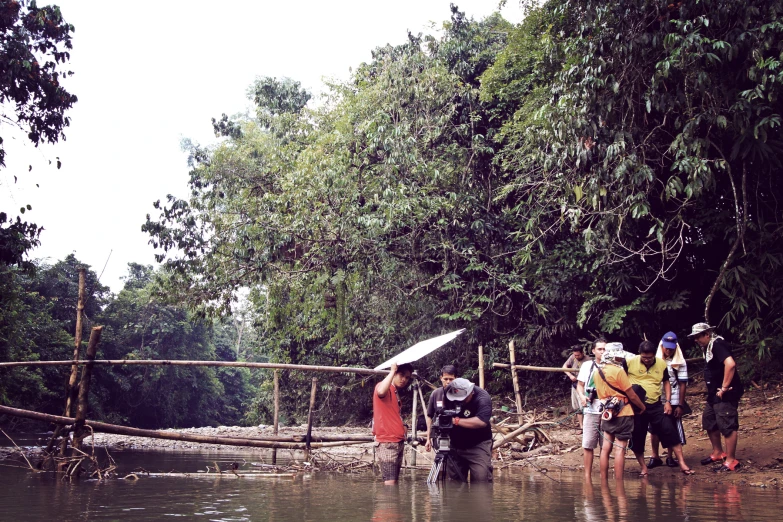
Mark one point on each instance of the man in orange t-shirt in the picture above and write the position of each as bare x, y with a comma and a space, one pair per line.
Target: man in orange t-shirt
387, 423
612, 384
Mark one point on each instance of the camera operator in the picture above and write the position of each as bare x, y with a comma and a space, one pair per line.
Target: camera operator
471, 436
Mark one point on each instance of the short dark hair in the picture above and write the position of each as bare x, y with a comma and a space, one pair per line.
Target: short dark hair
407, 367
647, 347
599, 340
450, 369
578, 348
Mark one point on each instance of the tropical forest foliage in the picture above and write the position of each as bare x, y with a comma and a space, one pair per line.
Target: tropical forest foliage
598, 169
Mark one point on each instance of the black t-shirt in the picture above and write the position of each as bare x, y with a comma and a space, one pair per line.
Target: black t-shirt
713, 374
436, 402
479, 406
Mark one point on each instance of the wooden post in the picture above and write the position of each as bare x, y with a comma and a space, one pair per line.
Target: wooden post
83, 404
277, 412
514, 378
415, 385
72, 390
310, 419
481, 366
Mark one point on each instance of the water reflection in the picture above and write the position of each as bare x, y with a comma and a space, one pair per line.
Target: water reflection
515, 494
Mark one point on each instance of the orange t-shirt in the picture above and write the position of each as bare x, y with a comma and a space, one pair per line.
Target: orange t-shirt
619, 379
386, 421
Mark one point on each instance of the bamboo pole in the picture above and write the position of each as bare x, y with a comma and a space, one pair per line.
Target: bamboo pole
515, 378
102, 427
276, 379
233, 364
534, 368
481, 366
310, 419
72, 390
84, 388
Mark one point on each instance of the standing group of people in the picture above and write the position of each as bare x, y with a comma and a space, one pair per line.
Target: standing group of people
623, 397
620, 398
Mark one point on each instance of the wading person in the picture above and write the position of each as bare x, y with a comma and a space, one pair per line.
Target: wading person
471, 436
616, 395
387, 425
591, 436
724, 389
669, 350
575, 361
447, 374
651, 373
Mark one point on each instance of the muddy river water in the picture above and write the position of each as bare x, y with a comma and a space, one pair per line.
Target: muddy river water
517, 494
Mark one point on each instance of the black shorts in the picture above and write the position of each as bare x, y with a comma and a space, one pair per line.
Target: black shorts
658, 423
721, 416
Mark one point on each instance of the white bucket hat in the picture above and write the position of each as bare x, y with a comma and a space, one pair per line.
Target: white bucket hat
699, 328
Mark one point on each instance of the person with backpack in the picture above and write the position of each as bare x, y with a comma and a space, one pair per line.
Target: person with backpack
616, 395
588, 398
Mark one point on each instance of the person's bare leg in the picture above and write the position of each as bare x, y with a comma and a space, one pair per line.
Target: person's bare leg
655, 442
677, 451
619, 459
607, 450
588, 461
642, 464
717, 447
731, 448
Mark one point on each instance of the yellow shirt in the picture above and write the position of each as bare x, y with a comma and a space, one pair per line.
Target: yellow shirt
648, 378
617, 377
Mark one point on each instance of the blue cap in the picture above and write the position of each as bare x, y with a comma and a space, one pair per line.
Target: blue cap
669, 340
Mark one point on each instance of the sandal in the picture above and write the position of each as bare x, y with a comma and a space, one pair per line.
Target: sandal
688, 472
725, 469
642, 475
654, 463
672, 462
711, 460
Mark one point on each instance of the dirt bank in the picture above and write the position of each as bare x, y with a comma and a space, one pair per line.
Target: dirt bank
760, 444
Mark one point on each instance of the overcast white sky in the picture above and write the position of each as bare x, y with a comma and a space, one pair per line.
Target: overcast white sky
148, 74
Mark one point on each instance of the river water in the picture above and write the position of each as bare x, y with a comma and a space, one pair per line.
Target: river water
517, 494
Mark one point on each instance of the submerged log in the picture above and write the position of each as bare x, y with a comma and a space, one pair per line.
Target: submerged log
226, 474
103, 427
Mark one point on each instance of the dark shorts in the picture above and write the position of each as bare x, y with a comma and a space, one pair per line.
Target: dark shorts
390, 459
721, 416
658, 423
476, 460
620, 427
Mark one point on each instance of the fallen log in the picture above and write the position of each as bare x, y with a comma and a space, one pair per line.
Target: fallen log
514, 434
102, 427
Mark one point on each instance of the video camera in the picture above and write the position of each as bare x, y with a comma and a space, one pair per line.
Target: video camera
441, 426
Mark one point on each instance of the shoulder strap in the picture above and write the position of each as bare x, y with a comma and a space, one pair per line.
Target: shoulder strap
603, 377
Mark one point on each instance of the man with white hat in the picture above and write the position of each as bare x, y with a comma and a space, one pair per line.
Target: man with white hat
724, 389
471, 436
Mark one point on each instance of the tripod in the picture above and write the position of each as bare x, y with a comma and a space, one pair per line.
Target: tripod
443, 458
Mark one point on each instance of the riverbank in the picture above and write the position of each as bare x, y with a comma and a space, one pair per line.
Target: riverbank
760, 444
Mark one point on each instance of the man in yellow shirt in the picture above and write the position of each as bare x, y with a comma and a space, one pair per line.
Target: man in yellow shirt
649, 372
614, 388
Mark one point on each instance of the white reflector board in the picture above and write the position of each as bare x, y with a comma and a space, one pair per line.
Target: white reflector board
419, 350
